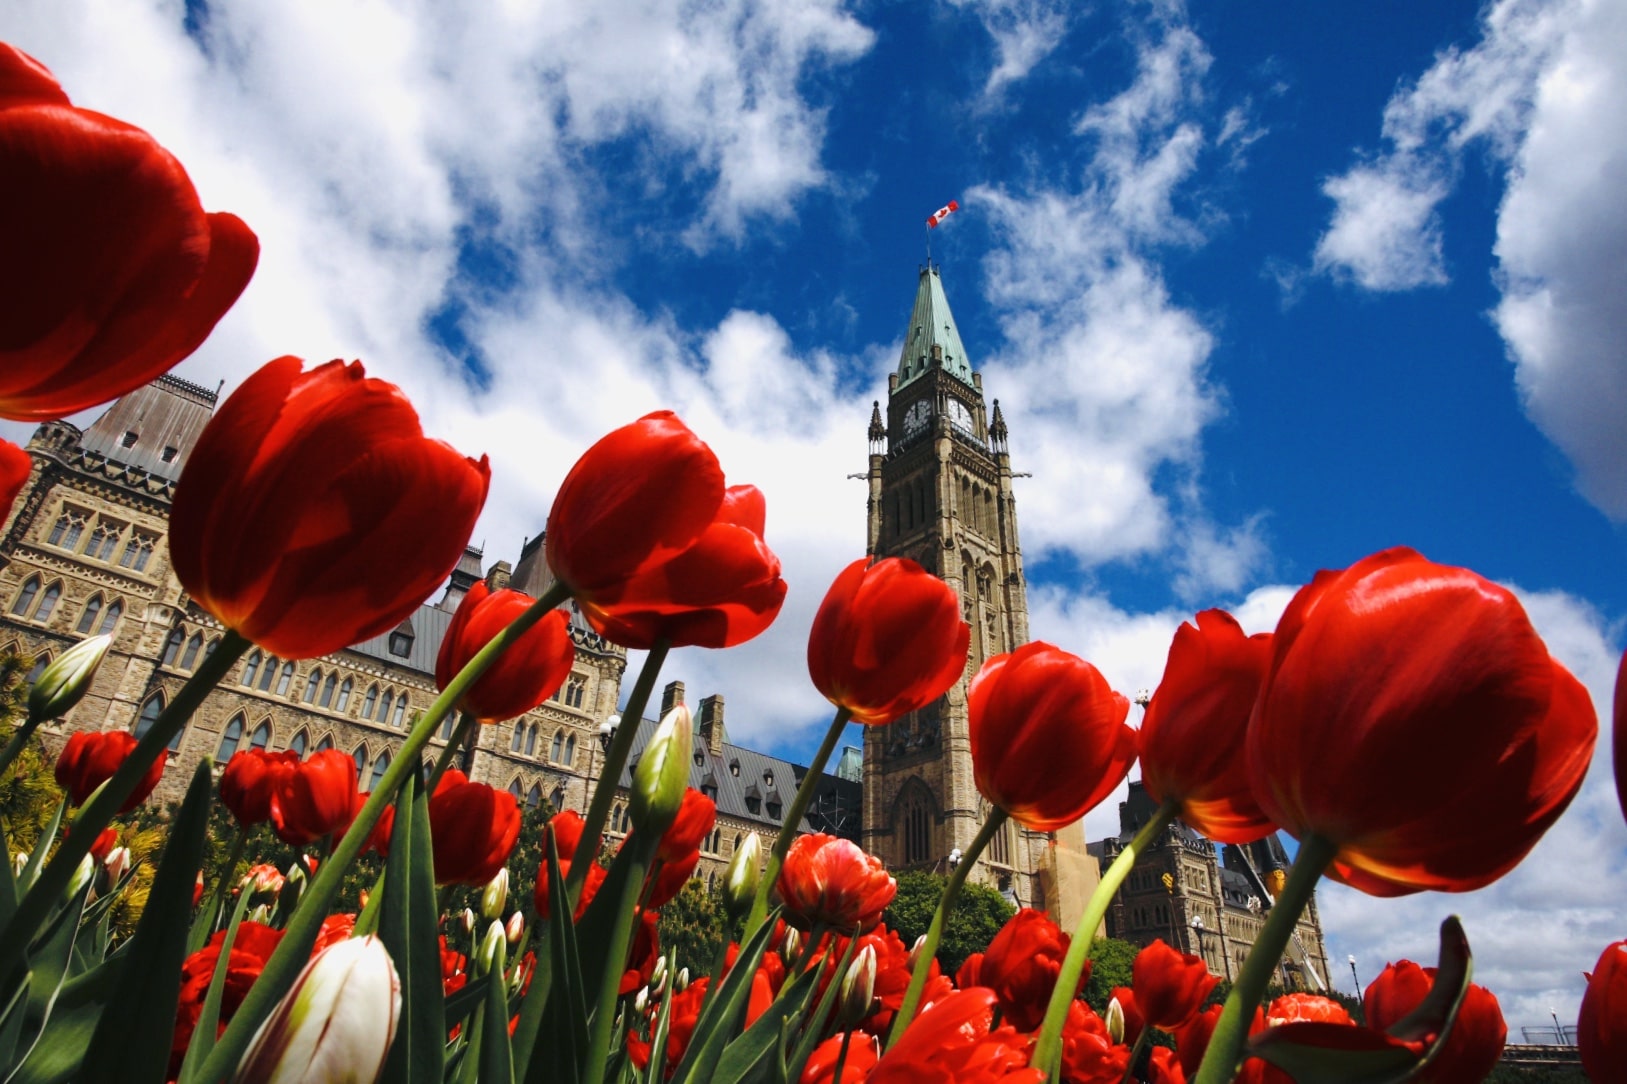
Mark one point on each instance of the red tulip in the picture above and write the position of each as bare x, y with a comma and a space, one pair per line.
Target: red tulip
15, 464
567, 832
1306, 1009
1021, 967
831, 881
1134, 1022
526, 674
678, 853
251, 948
863, 1052
1089, 1054
1192, 735
1601, 1028
91, 757
952, 1042
1048, 736
113, 272
887, 640
316, 798
685, 1014
1476, 1042
473, 827
314, 514
106, 840
1457, 739
653, 546
1619, 735
893, 979
250, 779
1170, 985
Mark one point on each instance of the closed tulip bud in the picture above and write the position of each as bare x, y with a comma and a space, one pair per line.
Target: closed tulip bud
494, 897
335, 1024
469, 921
491, 955
81, 877
641, 1000
658, 977
681, 982
858, 988
792, 947
1115, 1021
515, 928
261, 914
294, 883
740, 882
361, 900
662, 774
65, 682
19, 862
117, 864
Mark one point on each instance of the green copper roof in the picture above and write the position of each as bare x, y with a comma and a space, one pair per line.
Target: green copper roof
932, 324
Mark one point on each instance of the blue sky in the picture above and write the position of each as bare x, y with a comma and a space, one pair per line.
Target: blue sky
1261, 291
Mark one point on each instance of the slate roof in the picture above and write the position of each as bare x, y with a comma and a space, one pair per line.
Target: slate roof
834, 809
167, 413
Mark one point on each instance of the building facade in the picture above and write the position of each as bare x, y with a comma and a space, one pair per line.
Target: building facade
84, 552
1206, 899
940, 483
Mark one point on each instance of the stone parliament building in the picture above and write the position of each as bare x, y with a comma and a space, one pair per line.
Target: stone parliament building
83, 552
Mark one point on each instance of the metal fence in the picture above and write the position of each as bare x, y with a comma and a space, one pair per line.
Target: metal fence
1565, 1036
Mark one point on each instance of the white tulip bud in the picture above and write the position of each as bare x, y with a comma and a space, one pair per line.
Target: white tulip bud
494, 897
117, 864
1115, 1021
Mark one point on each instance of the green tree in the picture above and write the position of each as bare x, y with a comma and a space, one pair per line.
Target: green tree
1110, 964
979, 913
691, 928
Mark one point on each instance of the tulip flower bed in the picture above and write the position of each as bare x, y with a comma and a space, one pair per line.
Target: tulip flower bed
1334, 729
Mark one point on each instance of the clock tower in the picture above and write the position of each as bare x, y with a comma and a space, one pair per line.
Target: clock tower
940, 494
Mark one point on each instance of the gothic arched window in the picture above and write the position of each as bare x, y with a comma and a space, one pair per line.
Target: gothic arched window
93, 610
111, 618
25, 597
229, 739
151, 709
370, 701
344, 695
325, 744
380, 766
189, 657
311, 685
251, 667
297, 746
558, 747
385, 705
570, 750
48, 602
400, 712
519, 739
533, 797
269, 674
261, 736
328, 688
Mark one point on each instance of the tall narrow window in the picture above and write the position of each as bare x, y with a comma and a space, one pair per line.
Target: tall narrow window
557, 798
110, 619
48, 602
251, 667
103, 540
519, 739
344, 695
285, 678
189, 657
172, 646
269, 674
40, 663
325, 744
25, 597
531, 741
359, 755
137, 552
380, 766
328, 687
229, 739
297, 746
371, 700
570, 749
400, 712
311, 684
68, 529
558, 747
533, 797
261, 736
448, 725
515, 789
93, 610
384, 706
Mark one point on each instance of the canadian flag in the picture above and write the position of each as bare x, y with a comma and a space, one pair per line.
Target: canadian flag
941, 214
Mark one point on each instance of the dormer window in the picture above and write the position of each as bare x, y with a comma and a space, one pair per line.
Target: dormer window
129, 440
775, 810
700, 758
734, 768
754, 805
400, 644
169, 453
709, 790
768, 779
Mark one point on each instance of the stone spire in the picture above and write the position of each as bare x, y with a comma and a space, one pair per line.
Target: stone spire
997, 431
932, 341
878, 429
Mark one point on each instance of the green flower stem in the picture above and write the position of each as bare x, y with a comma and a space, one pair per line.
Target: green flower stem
104, 804
929, 948
1048, 1049
793, 819
444, 761
295, 949
211, 915
615, 759
1225, 1053
603, 1023
1142, 1042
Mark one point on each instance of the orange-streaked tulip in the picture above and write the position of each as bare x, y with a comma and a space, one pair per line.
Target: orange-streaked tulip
1192, 735
336, 1023
1601, 1027
1475, 1044
314, 513
887, 640
526, 674
1458, 739
314, 798
1048, 735
90, 758
1170, 985
655, 548
830, 881
113, 272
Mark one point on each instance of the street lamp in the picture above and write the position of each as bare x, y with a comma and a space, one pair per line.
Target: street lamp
1559, 1030
1353, 975
607, 734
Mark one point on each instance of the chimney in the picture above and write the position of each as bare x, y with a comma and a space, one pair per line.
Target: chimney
671, 697
711, 723
498, 578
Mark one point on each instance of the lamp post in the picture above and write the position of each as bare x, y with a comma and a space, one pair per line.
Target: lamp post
1355, 977
1198, 928
1559, 1031
607, 734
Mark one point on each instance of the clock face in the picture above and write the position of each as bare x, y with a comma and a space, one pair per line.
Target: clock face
917, 417
960, 417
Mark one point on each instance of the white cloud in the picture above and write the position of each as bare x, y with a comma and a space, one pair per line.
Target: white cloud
1538, 93
1025, 32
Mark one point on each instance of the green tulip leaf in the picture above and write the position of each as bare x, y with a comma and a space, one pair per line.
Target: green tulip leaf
813, 1029
408, 921
496, 1056
556, 1057
11, 1021
750, 1058
132, 1039
724, 1006
203, 1035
